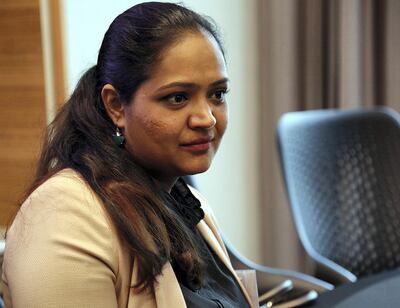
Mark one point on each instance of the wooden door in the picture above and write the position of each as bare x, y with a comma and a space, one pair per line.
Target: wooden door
22, 99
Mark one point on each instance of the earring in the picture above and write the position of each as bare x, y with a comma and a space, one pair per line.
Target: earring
118, 138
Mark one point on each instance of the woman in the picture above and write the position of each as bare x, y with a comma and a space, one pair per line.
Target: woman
108, 221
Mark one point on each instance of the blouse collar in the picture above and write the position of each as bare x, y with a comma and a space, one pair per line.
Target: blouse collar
182, 201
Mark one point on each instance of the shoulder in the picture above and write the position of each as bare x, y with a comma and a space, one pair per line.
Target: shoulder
66, 185
60, 232
64, 193
63, 212
209, 216
204, 203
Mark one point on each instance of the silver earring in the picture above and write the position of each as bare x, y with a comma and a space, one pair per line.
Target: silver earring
118, 138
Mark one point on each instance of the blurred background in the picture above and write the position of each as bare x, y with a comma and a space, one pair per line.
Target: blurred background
283, 55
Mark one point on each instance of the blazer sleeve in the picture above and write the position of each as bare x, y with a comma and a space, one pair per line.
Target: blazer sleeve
60, 249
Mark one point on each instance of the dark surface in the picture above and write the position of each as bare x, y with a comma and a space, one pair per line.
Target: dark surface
342, 174
377, 291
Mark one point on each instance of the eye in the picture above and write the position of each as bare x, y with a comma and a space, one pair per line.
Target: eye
176, 99
219, 95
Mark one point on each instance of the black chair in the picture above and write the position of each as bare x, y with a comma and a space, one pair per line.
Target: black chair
342, 174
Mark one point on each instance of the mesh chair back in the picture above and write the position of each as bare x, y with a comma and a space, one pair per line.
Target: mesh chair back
342, 173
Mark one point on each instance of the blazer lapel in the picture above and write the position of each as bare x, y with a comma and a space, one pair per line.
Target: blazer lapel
168, 291
210, 238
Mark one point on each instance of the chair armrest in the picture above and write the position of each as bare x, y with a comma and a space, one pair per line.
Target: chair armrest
268, 277
329, 270
334, 273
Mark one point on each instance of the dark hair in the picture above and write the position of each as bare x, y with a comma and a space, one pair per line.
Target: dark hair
136, 38
80, 138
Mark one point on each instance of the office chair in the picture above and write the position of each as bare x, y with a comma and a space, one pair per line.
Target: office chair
342, 174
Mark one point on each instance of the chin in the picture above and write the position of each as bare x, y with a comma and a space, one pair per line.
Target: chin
196, 169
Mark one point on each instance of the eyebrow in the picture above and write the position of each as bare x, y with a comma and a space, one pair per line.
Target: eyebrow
190, 85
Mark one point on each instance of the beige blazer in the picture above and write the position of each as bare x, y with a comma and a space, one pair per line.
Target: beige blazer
63, 251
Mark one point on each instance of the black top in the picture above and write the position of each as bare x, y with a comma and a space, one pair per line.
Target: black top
220, 288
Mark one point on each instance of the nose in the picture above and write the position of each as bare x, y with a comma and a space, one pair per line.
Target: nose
202, 116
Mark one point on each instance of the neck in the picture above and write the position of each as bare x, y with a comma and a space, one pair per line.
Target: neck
165, 184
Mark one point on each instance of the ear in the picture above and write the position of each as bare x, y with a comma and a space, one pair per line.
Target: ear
115, 109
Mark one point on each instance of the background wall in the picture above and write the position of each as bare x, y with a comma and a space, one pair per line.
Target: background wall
232, 184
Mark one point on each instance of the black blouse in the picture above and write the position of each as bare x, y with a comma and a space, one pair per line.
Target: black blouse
220, 288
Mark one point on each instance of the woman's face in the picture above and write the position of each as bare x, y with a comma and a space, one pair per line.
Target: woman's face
176, 119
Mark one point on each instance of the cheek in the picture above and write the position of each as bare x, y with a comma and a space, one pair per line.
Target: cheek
222, 120
156, 128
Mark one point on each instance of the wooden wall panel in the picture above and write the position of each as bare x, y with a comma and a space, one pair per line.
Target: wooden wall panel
22, 99
57, 44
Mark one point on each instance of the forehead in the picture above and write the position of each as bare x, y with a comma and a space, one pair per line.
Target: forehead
195, 56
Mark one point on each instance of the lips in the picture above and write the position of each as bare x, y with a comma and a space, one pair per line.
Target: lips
200, 144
